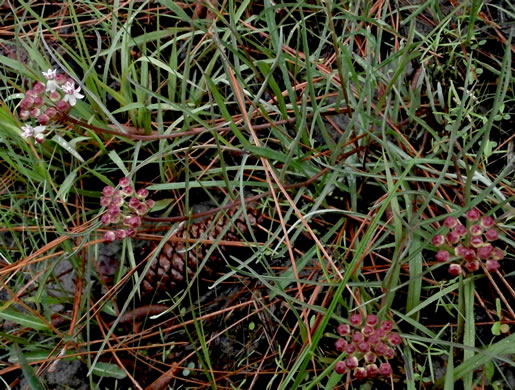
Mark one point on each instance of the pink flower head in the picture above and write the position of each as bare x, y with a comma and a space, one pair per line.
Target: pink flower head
374, 338
438, 240
360, 373
380, 332
131, 232
117, 201
491, 234
356, 319
469, 254
343, 329
340, 368
34, 112
385, 369
109, 236
114, 210
442, 256
339, 345
351, 362
487, 222
492, 265
150, 203
38, 102
450, 222
454, 269
133, 221
27, 103
134, 203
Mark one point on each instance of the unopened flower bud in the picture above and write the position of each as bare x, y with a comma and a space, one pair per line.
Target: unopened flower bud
452, 237
24, 115
54, 96
351, 362
350, 349
39, 88
43, 119
394, 339
360, 373
62, 106
356, 319
473, 215
142, 193
373, 339
454, 269
442, 256
34, 112
127, 190
484, 252
363, 347
387, 326
51, 112
380, 348
476, 230
372, 320
438, 240
461, 230
60, 79
131, 232
487, 222
497, 254
124, 182
27, 103
367, 330
105, 219
120, 234
109, 236
469, 254
357, 337
108, 191
340, 368
372, 370
339, 345
150, 203
492, 265
370, 357
476, 241
38, 102
389, 353
385, 369
343, 329
450, 222
491, 234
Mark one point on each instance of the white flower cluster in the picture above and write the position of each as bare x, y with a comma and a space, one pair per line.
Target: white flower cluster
47, 102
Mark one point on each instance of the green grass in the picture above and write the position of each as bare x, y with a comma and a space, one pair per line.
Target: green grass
354, 128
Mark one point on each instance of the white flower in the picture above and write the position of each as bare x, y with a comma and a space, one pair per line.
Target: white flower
36, 132
50, 74
51, 85
28, 131
71, 93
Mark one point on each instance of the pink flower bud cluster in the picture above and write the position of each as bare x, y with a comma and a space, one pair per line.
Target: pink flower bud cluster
368, 344
46, 101
125, 206
470, 245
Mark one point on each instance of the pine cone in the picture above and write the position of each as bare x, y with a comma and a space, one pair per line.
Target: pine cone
169, 267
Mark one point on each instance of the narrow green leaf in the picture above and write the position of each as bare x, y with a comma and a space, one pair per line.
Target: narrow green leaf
28, 371
66, 146
25, 320
108, 370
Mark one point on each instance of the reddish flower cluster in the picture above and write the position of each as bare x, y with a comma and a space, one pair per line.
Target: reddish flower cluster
470, 244
119, 210
366, 346
45, 101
